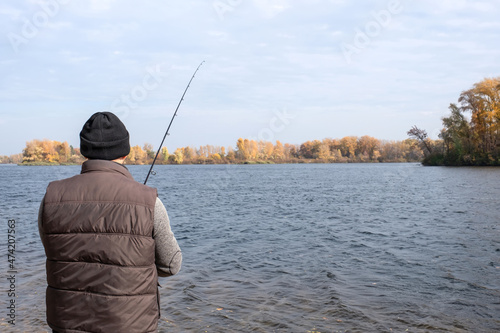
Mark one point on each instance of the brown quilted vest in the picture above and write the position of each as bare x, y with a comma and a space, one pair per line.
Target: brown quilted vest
97, 233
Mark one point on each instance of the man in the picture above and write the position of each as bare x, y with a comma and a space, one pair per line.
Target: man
107, 238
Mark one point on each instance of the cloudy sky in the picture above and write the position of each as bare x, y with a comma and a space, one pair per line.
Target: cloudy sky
289, 70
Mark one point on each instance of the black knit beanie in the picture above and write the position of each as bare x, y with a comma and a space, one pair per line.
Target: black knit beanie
104, 137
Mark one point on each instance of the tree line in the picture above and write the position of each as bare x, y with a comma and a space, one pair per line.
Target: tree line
470, 136
348, 149
471, 133
45, 152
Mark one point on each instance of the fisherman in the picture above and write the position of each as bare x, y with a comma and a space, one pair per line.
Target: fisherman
107, 238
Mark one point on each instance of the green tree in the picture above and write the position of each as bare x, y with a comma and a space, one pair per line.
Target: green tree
457, 133
164, 155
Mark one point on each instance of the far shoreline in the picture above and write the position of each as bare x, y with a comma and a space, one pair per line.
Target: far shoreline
238, 163
47, 164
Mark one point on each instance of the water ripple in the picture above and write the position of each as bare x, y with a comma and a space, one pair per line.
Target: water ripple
305, 248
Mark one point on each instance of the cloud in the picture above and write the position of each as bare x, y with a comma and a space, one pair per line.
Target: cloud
101, 5
270, 9
10, 12
264, 55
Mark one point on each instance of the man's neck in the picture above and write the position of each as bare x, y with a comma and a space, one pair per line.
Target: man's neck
120, 160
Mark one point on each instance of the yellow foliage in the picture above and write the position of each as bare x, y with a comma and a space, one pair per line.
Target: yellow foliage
48, 151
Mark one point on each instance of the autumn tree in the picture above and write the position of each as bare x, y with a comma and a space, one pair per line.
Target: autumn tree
231, 155
33, 152
412, 150
291, 151
278, 151
471, 133
253, 149
324, 152
150, 153
346, 149
136, 156
268, 150
49, 151
305, 150
216, 158
421, 136
483, 103
348, 146
12, 159
369, 147
242, 149
178, 156
64, 152
394, 151
189, 153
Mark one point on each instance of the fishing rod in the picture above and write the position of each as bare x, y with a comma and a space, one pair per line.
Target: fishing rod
171, 121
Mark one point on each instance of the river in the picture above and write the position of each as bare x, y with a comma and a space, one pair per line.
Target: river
299, 248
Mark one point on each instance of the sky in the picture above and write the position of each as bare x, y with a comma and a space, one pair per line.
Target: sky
288, 70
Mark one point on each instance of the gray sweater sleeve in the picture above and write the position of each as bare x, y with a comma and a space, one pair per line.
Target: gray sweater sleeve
168, 253
40, 213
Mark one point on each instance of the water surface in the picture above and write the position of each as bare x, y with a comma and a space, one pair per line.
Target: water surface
302, 248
